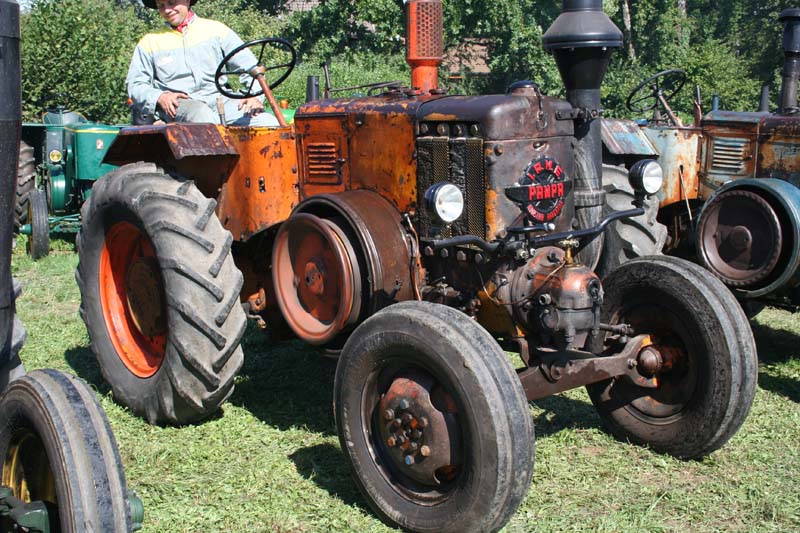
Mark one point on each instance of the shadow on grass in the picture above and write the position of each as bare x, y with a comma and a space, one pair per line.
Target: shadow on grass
287, 384
84, 364
775, 345
562, 413
325, 465
786, 387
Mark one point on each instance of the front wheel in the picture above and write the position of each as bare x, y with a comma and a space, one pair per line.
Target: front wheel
57, 448
433, 420
38, 219
160, 294
700, 361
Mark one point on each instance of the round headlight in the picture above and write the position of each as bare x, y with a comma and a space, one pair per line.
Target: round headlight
444, 201
647, 176
55, 156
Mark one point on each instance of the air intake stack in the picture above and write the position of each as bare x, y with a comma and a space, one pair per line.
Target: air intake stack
791, 63
424, 42
581, 40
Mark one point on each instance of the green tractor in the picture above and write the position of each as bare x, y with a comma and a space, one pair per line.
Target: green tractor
59, 160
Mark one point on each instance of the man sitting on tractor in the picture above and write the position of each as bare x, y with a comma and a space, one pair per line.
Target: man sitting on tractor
172, 72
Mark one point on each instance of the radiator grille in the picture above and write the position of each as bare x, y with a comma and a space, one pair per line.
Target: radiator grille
728, 155
323, 166
459, 161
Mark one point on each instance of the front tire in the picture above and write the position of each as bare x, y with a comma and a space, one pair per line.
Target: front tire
707, 374
160, 294
38, 218
433, 420
56, 447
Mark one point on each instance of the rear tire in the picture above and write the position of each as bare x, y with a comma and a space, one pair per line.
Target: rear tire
452, 374
708, 379
160, 294
628, 238
26, 183
56, 446
38, 217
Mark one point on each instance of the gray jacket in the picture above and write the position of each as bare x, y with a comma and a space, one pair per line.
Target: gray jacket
168, 60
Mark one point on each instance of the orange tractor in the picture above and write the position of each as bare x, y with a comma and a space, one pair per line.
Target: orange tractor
423, 235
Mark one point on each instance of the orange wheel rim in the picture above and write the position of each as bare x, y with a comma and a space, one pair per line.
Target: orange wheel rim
133, 299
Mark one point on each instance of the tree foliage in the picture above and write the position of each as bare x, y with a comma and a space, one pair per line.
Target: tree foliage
728, 47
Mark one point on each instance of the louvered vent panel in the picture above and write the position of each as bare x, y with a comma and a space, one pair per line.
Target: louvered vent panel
323, 165
728, 155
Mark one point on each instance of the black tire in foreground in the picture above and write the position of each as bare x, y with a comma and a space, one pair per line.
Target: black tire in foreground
26, 182
160, 294
56, 447
38, 217
707, 365
433, 420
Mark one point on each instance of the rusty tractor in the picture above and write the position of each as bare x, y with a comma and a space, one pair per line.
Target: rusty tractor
421, 234
731, 193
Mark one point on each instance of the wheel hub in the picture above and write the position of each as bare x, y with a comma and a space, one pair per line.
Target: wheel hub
740, 238
143, 290
317, 278
418, 425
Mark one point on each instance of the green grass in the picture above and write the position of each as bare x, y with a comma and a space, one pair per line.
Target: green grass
270, 461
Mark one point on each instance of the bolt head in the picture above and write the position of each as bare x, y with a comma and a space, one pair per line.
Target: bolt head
390, 442
425, 451
403, 404
408, 460
407, 418
423, 422
388, 414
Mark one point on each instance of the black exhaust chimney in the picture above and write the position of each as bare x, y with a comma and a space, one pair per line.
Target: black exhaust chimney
10, 123
581, 40
791, 63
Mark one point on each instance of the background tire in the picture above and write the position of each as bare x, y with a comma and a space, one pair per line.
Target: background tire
38, 217
160, 294
483, 464
628, 238
705, 391
55, 440
26, 182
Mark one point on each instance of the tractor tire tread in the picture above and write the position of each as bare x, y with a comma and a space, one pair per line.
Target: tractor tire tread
203, 352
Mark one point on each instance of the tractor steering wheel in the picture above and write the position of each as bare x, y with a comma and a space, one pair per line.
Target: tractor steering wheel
655, 87
254, 89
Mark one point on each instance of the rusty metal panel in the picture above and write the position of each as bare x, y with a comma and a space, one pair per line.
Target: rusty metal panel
382, 156
183, 140
728, 153
323, 152
678, 158
779, 149
261, 190
625, 137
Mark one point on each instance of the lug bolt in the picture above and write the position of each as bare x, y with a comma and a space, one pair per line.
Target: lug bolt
397, 422
425, 451
407, 418
403, 404
416, 434
390, 442
631, 363
401, 439
409, 460
388, 414
423, 422
414, 446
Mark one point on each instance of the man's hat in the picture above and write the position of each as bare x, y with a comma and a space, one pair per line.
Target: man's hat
152, 3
